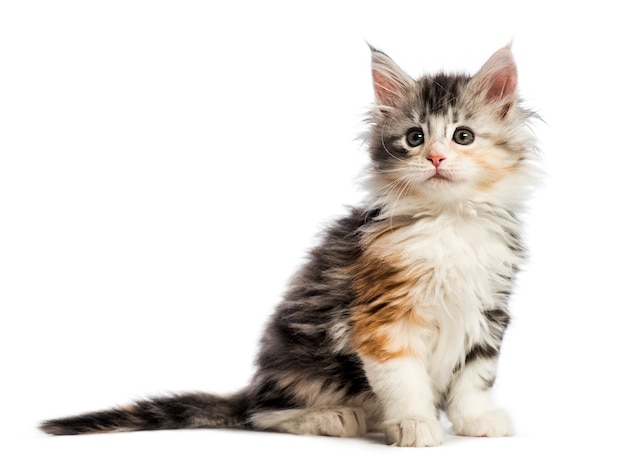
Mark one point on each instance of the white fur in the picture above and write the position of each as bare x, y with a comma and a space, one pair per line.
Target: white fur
403, 386
467, 252
404, 389
470, 407
493, 423
414, 432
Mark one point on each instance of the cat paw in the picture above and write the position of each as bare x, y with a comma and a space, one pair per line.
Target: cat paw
492, 424
338, 421
413, 432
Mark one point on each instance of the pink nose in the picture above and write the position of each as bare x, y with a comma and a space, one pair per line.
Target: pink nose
436, 159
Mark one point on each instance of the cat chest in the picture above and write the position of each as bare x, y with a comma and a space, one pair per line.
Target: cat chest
421, 290
453, 265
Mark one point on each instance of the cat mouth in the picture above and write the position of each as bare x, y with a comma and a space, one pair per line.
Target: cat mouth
437, 177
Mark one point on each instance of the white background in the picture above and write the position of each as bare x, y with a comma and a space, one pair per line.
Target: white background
165, 165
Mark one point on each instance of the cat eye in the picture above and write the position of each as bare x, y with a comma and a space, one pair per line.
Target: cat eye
415, 137
463, 136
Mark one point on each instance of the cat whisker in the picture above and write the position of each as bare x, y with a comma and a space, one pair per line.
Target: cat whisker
404, 184
391, 187
382, 142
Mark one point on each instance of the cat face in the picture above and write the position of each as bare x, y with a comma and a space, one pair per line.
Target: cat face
447, 138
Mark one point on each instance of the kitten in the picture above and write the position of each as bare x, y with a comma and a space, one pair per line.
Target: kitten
401, 309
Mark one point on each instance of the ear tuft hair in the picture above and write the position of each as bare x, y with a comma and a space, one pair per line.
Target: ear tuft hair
390, 81
496, 81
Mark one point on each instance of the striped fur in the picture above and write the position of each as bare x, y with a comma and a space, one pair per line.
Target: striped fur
401, 309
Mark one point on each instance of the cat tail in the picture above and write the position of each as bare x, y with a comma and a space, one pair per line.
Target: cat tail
183, 411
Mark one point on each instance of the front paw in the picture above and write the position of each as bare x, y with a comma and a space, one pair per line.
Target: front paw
413, 432
495, 423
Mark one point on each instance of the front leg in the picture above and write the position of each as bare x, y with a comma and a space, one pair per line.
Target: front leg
403, 388
469, 405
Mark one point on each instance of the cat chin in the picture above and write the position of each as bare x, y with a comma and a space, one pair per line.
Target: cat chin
443, 186
445, 193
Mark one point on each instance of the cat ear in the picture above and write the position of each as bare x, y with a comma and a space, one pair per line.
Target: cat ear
496, 81
390, 82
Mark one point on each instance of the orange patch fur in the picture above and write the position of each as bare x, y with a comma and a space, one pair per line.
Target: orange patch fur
493, 173
385, 305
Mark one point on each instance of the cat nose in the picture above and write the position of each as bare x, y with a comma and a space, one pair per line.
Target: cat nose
436, 159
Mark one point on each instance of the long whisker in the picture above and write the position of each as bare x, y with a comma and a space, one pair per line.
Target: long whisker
406, 184
382, 141
393, 193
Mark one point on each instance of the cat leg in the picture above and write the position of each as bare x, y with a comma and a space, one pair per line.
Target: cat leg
403, 388
469, 404
341, 421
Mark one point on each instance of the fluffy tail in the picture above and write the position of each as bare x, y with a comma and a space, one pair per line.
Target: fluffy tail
191, 410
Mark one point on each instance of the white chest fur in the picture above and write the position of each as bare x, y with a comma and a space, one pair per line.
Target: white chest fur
462, 263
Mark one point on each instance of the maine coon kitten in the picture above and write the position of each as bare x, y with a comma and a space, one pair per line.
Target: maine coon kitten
401, 309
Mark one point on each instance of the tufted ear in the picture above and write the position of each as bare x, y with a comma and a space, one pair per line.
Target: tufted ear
390, 82
496, 81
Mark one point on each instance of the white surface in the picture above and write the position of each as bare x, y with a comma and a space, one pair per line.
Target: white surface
165, 165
